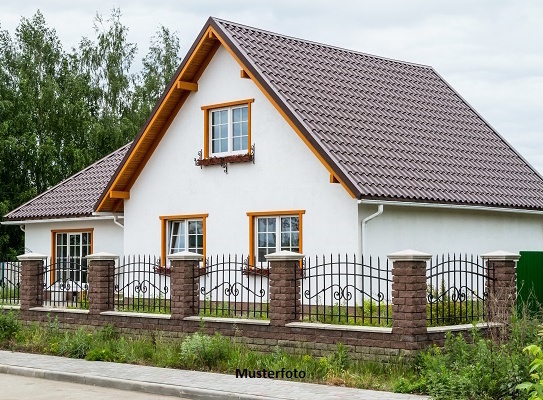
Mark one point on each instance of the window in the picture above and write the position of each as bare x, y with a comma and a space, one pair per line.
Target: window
183, 233
273, 231
69, 249
186, 235
227, 128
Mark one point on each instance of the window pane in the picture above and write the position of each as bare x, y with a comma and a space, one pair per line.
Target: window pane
285, 240
262, 224
271, 224
237, 129
245, 113
271, 239
236, 114
261, 240
285, 224
295, 239
244, 143
224, 145
224, 131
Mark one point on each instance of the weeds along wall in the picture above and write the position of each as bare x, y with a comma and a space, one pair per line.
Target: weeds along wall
407, 333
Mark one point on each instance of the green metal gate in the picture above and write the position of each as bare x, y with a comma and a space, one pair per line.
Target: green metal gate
530, 281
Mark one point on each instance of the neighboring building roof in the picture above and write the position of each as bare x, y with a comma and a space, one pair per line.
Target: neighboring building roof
75, 196
386, 130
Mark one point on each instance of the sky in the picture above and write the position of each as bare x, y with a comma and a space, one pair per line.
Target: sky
490, 51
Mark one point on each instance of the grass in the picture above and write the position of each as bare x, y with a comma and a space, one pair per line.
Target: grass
198, 351
225, 309
149, 305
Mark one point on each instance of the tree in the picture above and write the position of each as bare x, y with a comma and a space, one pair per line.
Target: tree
159, 66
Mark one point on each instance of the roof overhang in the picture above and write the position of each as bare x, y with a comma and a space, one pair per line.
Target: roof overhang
185, 80
57, 220
473, 207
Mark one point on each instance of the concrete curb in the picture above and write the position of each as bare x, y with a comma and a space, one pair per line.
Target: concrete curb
135, 386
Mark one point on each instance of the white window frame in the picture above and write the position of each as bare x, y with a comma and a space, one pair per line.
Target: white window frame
230, 150
199, 250
75, 275
278, 232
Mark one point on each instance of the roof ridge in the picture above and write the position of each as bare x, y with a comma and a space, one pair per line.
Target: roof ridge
425, 66
39, 196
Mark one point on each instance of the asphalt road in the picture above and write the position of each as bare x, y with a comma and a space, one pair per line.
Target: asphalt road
14, 387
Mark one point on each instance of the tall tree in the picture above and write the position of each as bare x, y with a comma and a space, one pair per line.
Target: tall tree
107, 61
61, 111
159, 66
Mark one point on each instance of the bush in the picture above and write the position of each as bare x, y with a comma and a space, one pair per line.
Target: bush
75, 345
9, 326
481, 369
202, 351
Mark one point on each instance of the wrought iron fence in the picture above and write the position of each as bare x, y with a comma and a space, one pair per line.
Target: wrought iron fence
9, 280
457, 289
232, 287
65, 283
141, 284
342, 291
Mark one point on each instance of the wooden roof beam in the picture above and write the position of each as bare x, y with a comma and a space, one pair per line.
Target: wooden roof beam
184, 85
115, 194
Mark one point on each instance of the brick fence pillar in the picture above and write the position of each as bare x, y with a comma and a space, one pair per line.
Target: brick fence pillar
409, 297
101, 279
501, 285
183, 285
31, 280
285, 302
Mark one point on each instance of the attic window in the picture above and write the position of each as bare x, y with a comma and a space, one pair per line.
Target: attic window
227, 129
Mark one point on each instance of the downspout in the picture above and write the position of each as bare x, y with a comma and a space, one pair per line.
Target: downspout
116, 221
364, 222
22, 227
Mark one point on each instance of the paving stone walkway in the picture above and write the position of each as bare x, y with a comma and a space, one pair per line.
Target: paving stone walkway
180, 383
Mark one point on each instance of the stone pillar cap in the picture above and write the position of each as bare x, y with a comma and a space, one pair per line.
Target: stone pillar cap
500, 255
409, 255
101, 256
31, 257
185, 256
284, 255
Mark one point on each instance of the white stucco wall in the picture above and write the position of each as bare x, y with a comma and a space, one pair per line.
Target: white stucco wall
285, 176
107, 236
442, 230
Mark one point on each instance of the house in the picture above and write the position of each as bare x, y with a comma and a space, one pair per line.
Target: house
263, 142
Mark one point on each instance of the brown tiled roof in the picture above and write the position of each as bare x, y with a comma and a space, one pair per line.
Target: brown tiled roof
75, 196
392, 130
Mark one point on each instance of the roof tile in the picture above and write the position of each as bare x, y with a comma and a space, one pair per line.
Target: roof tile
75, 196
398, 129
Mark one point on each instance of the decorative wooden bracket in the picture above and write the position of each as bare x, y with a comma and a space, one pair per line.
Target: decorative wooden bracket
184, 85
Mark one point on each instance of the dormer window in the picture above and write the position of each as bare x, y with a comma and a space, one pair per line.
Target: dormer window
227, 128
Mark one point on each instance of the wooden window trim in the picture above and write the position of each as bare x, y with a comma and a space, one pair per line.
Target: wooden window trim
279, 213
54, 245
208, 108
163, 231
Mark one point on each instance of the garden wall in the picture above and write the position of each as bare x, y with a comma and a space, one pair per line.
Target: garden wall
408, 333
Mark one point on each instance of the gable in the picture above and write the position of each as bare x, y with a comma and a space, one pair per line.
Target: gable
384, 129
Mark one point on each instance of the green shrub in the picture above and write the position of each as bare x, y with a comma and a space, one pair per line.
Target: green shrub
481, 369
202, 351
75, 345
9, 326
